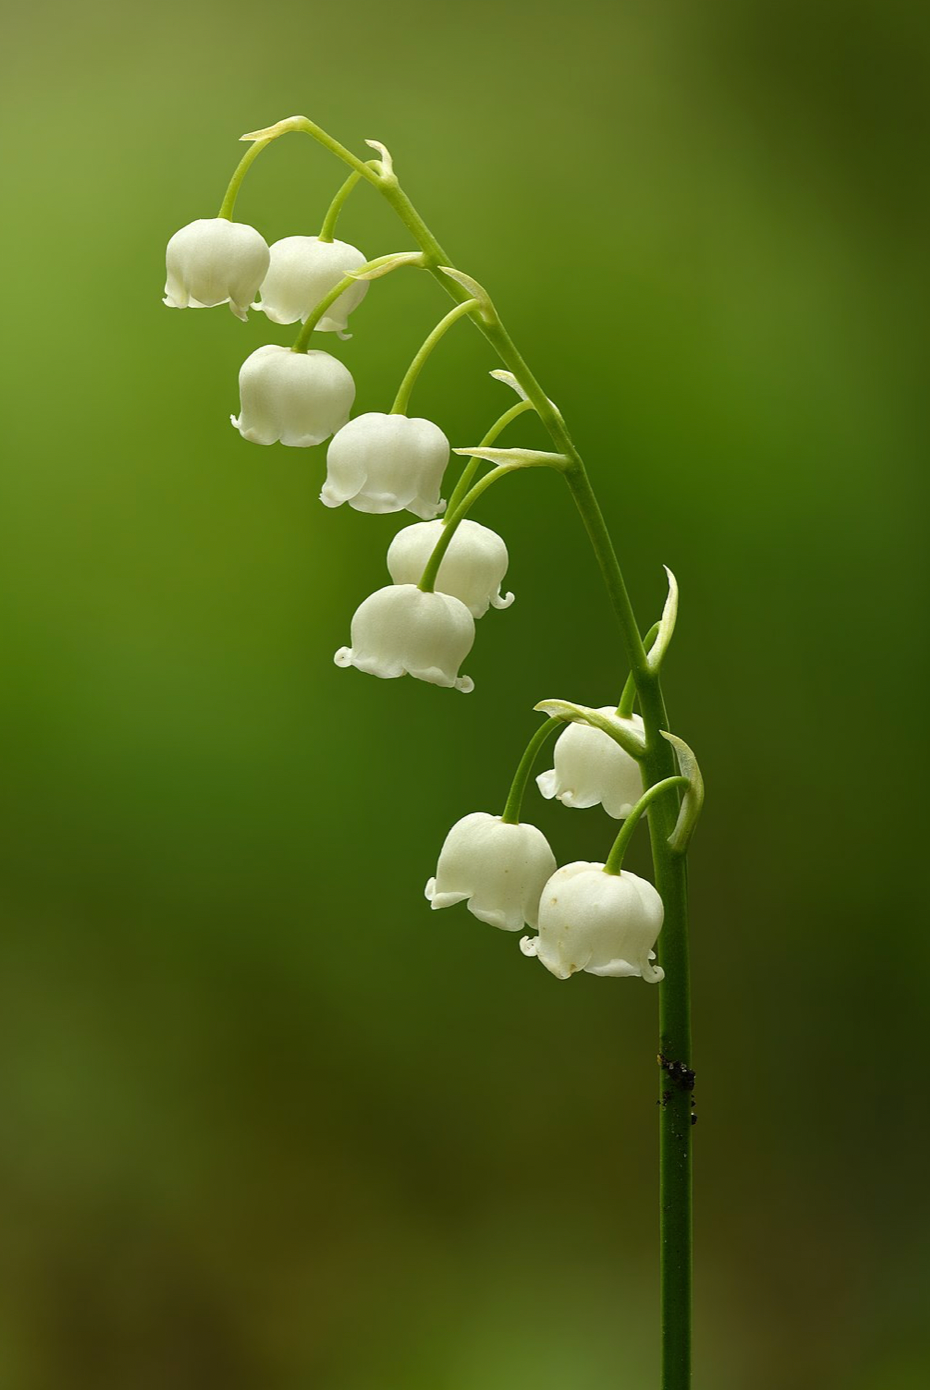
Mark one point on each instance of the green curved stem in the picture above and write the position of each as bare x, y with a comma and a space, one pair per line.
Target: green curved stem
302, 341
615, 857
428, 580
471, 468
657, 764
335, 208
303, 125
328, 229
511, 813
402, 399
436, 257
235, 183
628, 696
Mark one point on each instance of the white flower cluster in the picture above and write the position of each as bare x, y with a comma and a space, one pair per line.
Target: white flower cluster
376, 463
586, 917
216, 261
297, 398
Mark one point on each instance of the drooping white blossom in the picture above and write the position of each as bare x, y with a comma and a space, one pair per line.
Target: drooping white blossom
472, 568
400, 631
299, 398
500, 869
591, 768
215, 261
605, 924
303, 269
386, 463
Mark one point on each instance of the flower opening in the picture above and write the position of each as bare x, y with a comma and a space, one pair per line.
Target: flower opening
215, 261
399, 630
299, 398
499, 869
387, 463
604, 924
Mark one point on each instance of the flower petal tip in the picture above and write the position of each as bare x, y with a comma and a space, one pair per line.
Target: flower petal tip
502, 601
547, 783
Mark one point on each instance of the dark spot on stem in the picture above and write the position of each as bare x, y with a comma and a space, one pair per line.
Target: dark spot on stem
681, 1077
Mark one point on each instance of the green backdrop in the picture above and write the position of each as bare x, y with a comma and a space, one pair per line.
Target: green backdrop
267, 1122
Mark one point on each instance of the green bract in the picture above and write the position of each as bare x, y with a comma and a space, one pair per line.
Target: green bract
622, 731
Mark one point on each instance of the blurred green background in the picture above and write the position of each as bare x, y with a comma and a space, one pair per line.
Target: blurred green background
267, 1123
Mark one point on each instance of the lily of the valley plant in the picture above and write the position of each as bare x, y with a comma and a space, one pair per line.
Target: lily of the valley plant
447, 570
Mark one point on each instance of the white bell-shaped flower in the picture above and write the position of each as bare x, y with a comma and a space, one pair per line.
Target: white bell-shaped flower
402, 631
303, 269
606, 924
300, 398
215, 261
472, 568
386, 463
590, 767
500, 869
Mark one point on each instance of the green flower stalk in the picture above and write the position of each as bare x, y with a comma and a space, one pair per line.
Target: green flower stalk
447, 573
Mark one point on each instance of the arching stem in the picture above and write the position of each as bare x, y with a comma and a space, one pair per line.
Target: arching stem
402, 399
615, 858
302, 341
511, 814
657, 764
428, 581
328, 229
235, 183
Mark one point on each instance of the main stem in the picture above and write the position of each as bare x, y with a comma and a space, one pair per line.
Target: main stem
677, 1077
